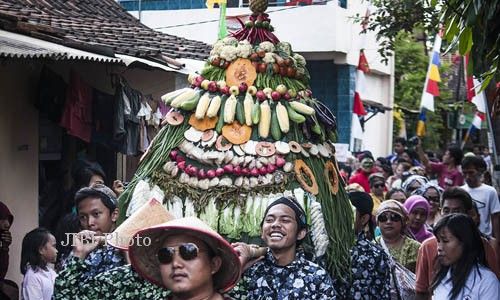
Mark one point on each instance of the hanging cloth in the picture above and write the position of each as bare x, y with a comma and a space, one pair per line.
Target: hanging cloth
77, 114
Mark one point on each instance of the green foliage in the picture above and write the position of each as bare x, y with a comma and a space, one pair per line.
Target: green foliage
410, 71
472, 26
395, 16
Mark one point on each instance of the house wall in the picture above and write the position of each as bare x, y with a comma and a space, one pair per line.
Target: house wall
19, 131
19, 153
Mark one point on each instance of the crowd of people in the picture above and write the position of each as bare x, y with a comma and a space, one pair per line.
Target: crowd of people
425, 229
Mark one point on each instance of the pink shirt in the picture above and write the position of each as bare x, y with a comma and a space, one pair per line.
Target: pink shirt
446, 177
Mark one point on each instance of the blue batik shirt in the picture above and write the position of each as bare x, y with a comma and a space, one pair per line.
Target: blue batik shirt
370, 272
301, 279
101, 260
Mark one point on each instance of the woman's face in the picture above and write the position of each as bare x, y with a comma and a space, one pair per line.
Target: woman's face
413, 186
390, 224
188, 277
432, 197
399, 196
450, 249
417, 218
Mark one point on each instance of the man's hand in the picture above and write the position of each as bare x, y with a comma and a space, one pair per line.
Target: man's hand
118, 187
248, 254
85, 242
6, 238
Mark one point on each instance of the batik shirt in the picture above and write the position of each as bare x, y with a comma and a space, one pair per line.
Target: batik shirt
101, 260
120, 283
370, 272
301, 279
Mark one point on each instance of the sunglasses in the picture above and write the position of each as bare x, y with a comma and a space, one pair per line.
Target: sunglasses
385, 217
377, 186
187, 251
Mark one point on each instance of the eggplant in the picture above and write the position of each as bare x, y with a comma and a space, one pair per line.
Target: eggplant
306, 130
325, 115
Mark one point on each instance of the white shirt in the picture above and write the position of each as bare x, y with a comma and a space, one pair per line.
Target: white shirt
486, 199
476, 288
39, 284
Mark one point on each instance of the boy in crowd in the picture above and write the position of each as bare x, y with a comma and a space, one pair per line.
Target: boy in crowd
447, 171
485, 196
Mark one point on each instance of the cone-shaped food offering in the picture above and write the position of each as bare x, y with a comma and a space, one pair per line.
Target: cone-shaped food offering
246, 131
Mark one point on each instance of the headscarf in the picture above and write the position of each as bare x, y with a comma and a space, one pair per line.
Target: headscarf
5, 213
429, 185
412, 179
410, 204
393, 206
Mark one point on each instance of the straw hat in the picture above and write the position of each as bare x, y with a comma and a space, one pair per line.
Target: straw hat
144, 258
150, 214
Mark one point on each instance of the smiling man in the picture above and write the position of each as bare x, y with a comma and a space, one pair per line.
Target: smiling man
284, 272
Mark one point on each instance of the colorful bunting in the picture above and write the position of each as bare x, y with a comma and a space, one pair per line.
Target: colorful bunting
431, 88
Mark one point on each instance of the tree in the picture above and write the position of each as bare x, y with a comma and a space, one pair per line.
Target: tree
472, 26
410, 72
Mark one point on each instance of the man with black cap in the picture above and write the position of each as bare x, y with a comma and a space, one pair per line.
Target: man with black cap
284, 272
369, 263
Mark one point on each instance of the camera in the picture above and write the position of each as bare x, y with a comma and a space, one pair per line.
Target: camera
414, 141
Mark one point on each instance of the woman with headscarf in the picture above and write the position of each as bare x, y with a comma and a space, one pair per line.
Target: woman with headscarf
418, 210
433, 193
392, 220
412, 183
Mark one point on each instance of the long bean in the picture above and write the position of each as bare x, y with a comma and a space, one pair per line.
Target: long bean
338, 221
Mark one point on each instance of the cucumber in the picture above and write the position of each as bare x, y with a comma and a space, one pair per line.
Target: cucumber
256, 113
293, 115
275, 126
240, 112
220, 121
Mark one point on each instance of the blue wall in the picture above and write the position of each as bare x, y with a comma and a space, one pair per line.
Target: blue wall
334, 86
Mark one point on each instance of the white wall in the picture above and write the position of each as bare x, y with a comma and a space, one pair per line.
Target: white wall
19, 154
315, 28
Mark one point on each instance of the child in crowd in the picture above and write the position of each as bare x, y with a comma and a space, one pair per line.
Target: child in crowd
38, 250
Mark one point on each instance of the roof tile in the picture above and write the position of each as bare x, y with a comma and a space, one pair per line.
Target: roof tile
94, 22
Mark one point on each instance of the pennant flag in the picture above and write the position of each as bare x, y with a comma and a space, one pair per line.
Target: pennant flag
421, 130
474, 95
363, 63
222, 18
358, 107
431, 88
479, 117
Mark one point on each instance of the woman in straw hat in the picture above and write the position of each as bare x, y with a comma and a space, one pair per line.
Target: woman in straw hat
392, 219
180, 259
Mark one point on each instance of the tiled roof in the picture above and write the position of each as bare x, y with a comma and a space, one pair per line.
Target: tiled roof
100, 26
